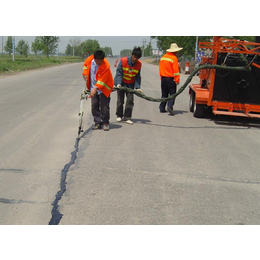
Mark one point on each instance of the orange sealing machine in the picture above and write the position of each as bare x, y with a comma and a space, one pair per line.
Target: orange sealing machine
233, 93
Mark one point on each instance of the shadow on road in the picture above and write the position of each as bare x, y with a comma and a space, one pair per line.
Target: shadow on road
232, 120
114, 126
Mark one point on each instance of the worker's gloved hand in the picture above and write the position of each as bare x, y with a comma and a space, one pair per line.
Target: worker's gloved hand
178, 83
139, 90
85, 77
118, 86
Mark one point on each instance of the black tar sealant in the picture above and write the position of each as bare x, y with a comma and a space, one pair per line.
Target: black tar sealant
56, 215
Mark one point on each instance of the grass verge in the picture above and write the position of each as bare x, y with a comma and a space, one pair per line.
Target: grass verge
7, 65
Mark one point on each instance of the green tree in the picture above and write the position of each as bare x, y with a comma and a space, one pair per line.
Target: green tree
48, 44
125, 52
243, 38
19, 46
188, 43
148, 50
68, 50
36, 45
9, 45
89, 47
26, 49
78, 50
22, 48
75, 43
107, 51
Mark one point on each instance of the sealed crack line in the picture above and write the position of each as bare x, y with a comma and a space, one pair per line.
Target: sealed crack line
56, 215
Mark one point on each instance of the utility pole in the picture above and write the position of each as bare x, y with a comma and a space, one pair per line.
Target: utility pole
144, 42
196, 49
58, 51
2, 46
150, 53
13, 46
58, 48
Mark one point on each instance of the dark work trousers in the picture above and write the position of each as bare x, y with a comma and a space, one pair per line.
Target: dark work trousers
168, 88
128, 106
100, 108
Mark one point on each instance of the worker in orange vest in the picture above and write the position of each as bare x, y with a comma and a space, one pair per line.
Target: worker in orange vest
128, 75
99, 80
170, 76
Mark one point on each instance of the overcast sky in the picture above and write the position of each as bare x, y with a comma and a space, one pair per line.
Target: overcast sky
117, 43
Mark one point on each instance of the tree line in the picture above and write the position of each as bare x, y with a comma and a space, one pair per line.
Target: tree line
146, 51
85, 48
49, 45
45, 44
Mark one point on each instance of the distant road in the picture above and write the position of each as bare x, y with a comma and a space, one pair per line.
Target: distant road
161, 170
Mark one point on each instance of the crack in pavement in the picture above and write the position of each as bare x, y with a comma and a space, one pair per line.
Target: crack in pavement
56, 215
14, 201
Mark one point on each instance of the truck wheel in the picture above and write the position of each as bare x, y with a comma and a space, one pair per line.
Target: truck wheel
198, 110
192, 100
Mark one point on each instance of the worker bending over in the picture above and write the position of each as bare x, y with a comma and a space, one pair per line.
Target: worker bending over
97, 73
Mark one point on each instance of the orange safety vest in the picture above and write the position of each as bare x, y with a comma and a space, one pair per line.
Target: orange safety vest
169, 66
105, 81
129, 73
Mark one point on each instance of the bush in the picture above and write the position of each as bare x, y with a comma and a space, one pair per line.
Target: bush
3, 67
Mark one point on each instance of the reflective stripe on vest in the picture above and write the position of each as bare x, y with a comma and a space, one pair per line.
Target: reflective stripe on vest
126, 78
133, 70
167, 59
103, 84
129, 74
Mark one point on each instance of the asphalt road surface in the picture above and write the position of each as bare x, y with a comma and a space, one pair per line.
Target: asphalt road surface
163, 169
